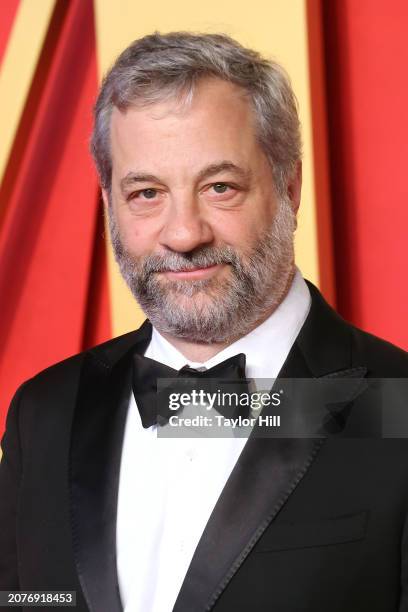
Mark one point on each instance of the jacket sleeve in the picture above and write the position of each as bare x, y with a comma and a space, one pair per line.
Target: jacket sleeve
403, 605
10, 476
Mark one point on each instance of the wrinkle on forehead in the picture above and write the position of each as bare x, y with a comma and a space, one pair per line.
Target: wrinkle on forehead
219, 126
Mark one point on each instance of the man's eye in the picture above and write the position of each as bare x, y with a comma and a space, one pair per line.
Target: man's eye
148, 194
220, 187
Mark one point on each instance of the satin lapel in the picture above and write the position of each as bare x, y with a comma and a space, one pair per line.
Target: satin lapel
267, 471
96, 445
263, 478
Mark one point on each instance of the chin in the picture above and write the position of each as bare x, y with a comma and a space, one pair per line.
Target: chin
192, 290
199, 300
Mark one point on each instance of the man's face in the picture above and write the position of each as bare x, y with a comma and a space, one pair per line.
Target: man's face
199, 232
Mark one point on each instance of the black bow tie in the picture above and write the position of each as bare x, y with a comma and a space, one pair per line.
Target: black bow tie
147, 371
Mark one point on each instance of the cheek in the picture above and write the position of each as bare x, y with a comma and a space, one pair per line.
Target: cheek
238, 230
137, 236
243, 226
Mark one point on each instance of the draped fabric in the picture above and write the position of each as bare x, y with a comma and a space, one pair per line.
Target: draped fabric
54, 299
366, 57
59, 291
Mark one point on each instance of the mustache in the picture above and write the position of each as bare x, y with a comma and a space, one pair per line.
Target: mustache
202, 258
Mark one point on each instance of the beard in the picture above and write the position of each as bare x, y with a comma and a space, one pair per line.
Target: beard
214, 309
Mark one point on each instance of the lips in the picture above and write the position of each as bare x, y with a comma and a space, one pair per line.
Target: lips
193, 273
193, 269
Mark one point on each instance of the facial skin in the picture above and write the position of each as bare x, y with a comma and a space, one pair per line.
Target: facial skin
201, 236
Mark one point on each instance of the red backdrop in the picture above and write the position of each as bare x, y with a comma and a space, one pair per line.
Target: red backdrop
53, 280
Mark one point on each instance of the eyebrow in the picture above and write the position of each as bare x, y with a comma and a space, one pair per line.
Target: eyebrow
224, 166
137, 177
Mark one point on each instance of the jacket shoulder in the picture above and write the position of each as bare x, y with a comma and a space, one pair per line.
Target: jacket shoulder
68, 370
382, 358
331, 343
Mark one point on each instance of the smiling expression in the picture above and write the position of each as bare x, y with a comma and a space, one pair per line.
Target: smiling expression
192, 202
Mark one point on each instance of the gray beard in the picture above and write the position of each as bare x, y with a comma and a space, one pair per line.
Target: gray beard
213, 310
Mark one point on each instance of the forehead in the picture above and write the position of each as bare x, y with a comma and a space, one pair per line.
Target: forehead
209, 95
217, 122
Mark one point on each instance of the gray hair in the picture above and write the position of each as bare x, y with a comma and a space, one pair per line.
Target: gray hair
160, 66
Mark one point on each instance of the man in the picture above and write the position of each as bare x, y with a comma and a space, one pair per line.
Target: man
197, 145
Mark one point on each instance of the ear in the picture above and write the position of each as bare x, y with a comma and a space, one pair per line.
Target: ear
295, 187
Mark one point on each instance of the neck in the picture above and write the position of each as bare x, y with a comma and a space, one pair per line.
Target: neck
201, 351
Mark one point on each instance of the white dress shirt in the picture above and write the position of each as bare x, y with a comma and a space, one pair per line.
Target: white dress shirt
168, 487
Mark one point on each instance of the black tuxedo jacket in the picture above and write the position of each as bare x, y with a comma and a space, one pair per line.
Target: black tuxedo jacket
311, 525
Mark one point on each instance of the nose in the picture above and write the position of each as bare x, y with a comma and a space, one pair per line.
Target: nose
185, 228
